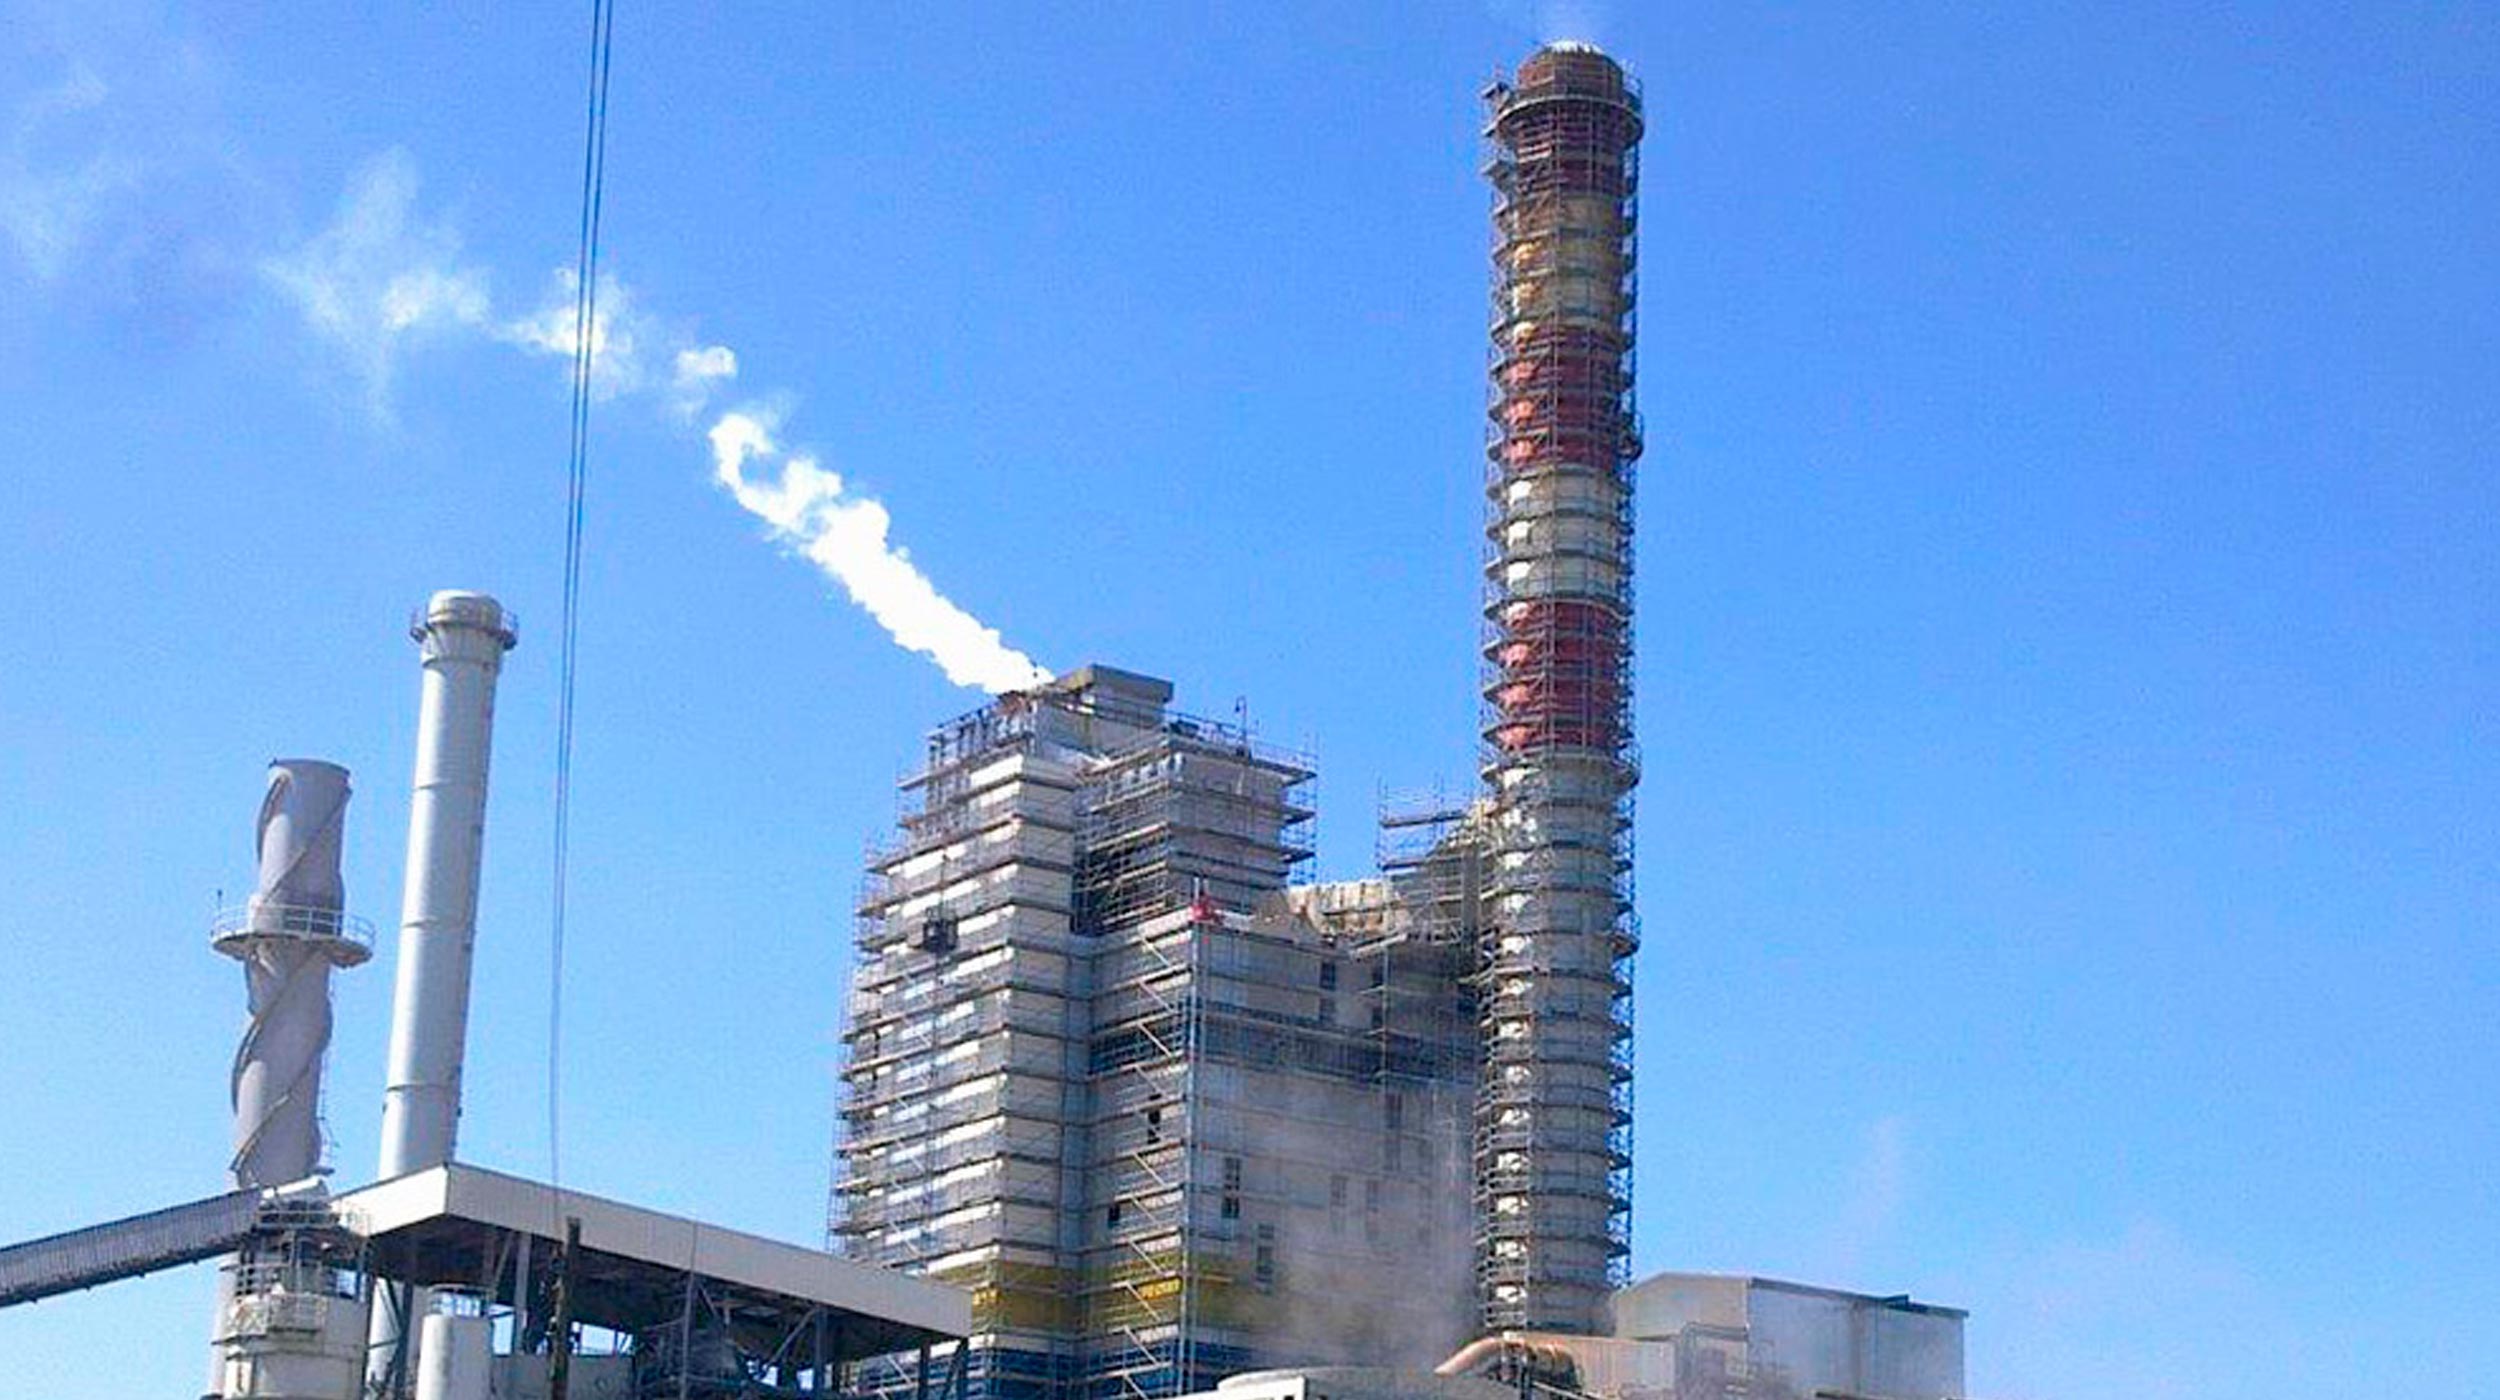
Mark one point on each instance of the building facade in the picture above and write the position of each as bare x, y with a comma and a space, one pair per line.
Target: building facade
1166, 1116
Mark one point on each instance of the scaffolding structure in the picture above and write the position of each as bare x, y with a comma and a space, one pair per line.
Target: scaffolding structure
1278, 1144
1169, 1113
1111, 1069
1433, 853
1176, 830
1552, 1114
1201, 812
963, 1042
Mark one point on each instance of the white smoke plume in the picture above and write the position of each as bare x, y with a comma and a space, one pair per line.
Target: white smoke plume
1554, 21
381, 273
807, 507
620, 332
695, 374
846, 536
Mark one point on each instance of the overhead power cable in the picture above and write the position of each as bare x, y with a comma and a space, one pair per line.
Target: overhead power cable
586, 336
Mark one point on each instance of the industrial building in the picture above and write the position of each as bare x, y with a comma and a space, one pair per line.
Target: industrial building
441, 1280
1132, 1108
1694, 1336
1104, 1074
1172, 1114
1723, 1334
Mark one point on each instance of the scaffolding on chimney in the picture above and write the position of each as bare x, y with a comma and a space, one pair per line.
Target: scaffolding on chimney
1553, 1105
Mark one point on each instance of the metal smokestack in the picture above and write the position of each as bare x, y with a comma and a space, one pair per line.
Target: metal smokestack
288, 937
462, 637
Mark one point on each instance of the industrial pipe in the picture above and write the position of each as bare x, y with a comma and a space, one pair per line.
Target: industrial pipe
462, 638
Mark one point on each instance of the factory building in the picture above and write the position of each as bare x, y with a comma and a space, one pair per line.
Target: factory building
1172, 1115
1165, 1118
442, 1280
1148, 1112
1694, 1336
1766, 1339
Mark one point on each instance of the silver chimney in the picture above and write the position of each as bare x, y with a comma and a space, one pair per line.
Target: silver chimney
462, 638
289, 936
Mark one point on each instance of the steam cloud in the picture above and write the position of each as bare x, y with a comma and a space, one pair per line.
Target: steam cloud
380, 274
845, 536
1553, 21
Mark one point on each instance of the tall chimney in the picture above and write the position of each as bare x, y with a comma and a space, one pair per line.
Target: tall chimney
1553, 1111
288, 936
462, 638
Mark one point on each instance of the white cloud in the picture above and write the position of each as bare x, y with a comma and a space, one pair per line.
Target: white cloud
846, 537
50, 207
126, 193
710, 363
379, 274
382, 272
432, 295
629, 345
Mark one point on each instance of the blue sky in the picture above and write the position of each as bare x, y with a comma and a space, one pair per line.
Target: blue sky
2068, 847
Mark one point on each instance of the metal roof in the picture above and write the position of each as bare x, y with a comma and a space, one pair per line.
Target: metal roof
451, 1226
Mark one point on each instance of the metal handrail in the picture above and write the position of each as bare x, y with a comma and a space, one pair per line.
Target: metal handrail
253, 919
421, 617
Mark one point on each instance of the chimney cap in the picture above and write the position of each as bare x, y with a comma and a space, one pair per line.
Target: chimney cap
458, 607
